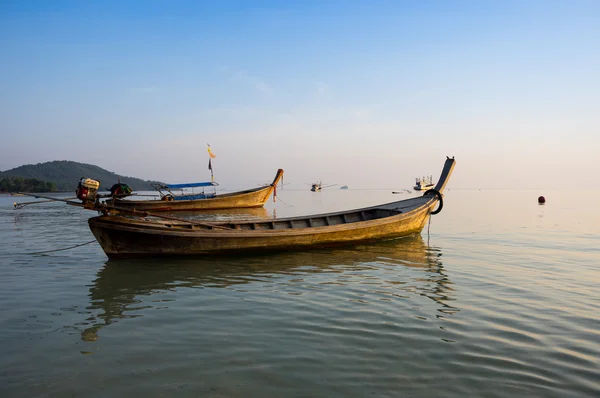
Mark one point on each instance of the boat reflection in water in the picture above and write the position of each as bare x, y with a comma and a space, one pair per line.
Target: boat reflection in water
405, 267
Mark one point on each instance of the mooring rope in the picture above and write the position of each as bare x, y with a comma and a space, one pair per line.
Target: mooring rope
428, 225
57, 250
283, 201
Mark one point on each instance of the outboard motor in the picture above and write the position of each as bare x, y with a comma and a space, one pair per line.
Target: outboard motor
87, 190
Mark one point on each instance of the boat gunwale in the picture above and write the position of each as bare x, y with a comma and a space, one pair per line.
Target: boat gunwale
165, 227
120, 202
267, 189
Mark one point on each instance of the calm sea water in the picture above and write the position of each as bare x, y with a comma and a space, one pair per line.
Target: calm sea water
498, 297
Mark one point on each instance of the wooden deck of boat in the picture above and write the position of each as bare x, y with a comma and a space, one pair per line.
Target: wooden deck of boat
300, 222
324, 220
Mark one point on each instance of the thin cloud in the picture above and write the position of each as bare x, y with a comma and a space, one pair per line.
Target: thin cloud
362, 113
323, 90
249, 80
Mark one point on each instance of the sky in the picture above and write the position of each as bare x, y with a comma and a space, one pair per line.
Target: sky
370, 94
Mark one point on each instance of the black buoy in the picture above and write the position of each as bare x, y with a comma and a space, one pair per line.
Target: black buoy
541, 200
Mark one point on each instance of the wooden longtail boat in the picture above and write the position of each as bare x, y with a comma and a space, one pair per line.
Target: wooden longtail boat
122, 236
242, 199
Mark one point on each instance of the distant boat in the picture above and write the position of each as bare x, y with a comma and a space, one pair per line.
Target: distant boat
318, 186
423, 184
344, 187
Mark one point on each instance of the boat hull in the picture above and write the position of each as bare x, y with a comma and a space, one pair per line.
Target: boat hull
125, 238
239, 200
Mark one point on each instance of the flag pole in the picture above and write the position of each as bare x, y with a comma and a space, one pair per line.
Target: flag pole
210, 157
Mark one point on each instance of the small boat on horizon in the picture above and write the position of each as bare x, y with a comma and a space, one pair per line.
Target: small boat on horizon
318, 186
344, 187
423, 184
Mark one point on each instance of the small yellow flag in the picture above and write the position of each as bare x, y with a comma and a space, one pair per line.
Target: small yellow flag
212, 155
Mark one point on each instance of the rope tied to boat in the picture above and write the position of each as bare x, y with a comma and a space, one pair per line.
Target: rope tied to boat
58, 250
436, 211
274, 184
439, 197
428, 227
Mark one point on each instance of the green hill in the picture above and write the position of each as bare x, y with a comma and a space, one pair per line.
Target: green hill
65, 175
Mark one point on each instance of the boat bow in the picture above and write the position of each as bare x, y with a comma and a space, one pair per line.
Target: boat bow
445, 176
